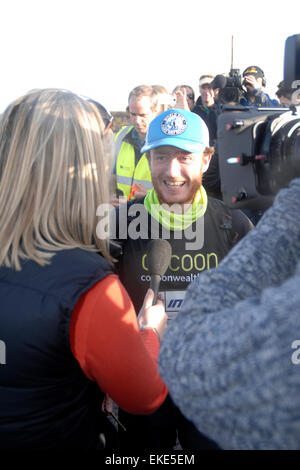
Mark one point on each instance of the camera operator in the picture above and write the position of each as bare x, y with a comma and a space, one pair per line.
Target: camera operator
231, 91
254, 81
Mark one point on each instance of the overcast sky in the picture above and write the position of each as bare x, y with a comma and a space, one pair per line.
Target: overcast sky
103, 49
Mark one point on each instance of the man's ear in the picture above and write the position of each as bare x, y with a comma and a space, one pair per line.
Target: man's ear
207, 154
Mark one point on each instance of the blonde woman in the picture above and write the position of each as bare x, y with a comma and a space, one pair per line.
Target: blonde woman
68, 327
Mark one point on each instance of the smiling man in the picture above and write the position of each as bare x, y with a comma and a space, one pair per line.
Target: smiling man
177, 174
178, 152
177, 160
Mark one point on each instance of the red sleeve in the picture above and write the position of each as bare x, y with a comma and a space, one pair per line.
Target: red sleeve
106, 341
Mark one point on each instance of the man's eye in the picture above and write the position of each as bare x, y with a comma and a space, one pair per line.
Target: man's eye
186, 158
138, 115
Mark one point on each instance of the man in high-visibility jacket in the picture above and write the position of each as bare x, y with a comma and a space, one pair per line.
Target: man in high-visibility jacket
131, 173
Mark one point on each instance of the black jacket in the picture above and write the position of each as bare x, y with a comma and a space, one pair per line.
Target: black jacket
46, 401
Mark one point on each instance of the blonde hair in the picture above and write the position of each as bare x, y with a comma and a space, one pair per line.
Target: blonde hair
52, 177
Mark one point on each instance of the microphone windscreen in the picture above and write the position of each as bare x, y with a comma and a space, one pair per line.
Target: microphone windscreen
158, 256
219, 82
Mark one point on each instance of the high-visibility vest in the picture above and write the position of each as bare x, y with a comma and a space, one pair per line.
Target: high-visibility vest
128, 174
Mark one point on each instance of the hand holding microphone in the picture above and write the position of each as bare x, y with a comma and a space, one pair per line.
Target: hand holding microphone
153, 316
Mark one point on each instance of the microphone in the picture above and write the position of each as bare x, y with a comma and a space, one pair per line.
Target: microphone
159, 256
219, 82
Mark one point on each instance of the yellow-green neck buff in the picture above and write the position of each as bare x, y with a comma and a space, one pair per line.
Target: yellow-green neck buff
171, 220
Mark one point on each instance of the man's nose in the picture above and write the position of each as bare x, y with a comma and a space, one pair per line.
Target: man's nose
174, 168
137, 118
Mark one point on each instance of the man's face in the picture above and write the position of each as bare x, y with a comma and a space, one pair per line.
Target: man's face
176, 174
141, 114
189, 97
207, 95
284, 101
251, 82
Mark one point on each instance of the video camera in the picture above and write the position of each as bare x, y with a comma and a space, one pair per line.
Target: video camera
229, 86
259, 148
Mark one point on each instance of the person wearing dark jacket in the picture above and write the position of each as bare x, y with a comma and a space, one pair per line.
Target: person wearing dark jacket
254, 81
205, 106
68, 330
200, 230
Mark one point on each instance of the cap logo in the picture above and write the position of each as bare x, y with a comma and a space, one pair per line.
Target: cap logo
251, 70
173, 124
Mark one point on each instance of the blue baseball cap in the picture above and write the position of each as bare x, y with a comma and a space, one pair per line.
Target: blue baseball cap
178, 128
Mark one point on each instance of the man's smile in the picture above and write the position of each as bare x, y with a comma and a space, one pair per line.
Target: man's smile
174, 184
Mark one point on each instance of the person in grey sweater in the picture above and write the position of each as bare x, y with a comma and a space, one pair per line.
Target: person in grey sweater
230, 359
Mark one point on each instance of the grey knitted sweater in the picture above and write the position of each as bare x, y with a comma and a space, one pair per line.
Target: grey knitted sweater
229, 358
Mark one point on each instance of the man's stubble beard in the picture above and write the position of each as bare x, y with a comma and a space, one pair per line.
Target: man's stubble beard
188, 200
